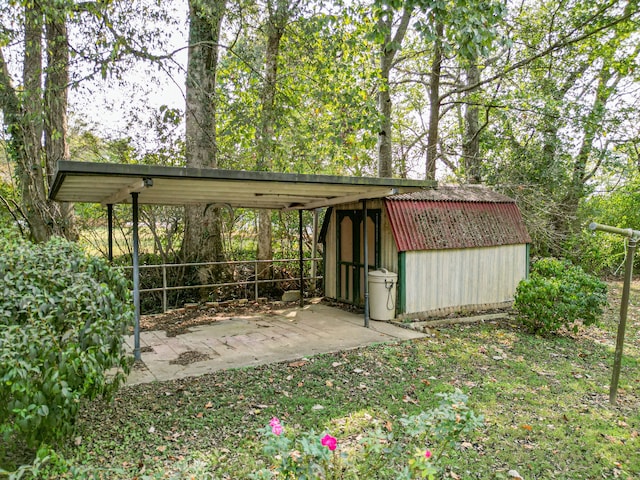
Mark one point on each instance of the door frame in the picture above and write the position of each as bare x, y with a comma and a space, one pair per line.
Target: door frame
354, 269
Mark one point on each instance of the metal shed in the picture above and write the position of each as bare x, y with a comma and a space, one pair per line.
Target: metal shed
454, 248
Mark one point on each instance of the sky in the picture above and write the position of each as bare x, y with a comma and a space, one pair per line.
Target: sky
121, 106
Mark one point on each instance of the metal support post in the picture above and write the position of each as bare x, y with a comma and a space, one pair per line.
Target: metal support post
255, 272
301, 259
624, 306
110, 231
633, 236
314, 251
136, 278
365, 240
164, 288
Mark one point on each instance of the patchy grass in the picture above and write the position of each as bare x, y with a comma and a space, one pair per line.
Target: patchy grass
545, 403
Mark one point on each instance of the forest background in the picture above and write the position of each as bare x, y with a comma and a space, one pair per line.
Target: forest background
536, 99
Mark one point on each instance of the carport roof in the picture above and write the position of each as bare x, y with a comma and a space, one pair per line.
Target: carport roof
109, 183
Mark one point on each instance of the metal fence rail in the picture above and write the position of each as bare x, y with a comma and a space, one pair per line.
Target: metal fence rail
255, 281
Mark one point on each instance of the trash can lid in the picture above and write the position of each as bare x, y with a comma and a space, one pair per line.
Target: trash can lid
382, 273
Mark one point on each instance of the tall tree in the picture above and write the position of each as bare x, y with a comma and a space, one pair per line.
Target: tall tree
390, 46
471, 160
279, 15
35, 113
202, 236
555, 137
37, 41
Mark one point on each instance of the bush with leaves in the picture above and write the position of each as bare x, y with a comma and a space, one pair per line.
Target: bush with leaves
412, 450
62, 320
559, 294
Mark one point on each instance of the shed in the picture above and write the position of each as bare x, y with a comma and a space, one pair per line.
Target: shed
454, 248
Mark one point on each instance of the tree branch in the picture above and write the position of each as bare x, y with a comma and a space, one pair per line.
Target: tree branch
556, 46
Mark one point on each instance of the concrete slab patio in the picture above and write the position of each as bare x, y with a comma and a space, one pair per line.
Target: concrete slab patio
255, 339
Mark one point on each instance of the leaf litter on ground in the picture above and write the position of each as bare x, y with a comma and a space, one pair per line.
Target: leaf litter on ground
545, 402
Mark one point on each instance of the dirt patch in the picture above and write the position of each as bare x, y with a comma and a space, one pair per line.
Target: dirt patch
180, 321
187, 358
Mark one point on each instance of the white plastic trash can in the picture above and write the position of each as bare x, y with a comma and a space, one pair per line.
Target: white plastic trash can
382, 294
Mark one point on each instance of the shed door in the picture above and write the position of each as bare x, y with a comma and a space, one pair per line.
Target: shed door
351, 252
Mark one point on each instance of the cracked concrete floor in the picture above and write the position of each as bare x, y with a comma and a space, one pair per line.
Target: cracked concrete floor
255, 339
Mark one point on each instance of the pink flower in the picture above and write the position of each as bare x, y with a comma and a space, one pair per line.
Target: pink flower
276, 427
427, 454
330, 442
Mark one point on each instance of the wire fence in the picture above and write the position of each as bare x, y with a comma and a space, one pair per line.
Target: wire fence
246, 272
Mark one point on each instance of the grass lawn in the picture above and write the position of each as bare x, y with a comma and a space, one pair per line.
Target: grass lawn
545, 403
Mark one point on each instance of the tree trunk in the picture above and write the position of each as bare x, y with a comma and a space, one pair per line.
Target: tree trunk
265, 141
579, 175
471, 143
30, 118
55, 98
388, 52
202, 240
434, 105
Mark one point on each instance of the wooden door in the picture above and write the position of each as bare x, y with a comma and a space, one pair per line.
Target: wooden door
350, 256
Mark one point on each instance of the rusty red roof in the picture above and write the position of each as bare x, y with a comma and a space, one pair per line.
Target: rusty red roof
455, 217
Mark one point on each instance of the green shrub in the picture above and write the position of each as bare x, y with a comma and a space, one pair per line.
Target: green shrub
62, 320
558, 294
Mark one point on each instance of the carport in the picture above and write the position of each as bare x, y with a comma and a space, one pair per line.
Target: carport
109, 184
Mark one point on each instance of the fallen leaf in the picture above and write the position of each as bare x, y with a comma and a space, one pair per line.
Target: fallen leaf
388, 425
357, 370
317, 407
299, 363
528, 428
77, 441
336, 364
161, 448
151, 429
514, 474
208, 405
329, 383
408, 399
199, 415
454, 475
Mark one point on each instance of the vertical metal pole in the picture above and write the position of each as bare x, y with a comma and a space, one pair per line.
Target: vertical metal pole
314, 251
365, 239
301, 259
136, 278
255, 271
624, 306
164, 289
110, 231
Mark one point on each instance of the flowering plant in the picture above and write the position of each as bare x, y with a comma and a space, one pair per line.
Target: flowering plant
377, 454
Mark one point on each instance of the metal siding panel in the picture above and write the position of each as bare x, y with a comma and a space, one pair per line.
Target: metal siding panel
461, 278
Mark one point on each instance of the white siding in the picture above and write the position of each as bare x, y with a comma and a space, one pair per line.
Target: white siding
446, 280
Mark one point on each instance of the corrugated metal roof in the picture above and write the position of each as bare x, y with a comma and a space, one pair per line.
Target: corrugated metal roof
455, 217
456, 193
